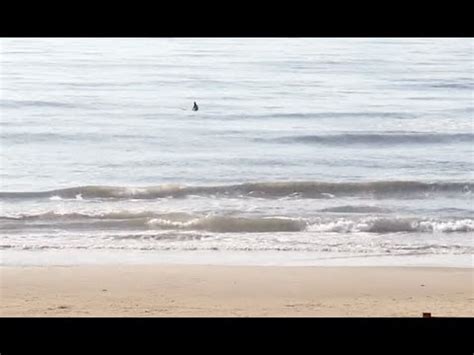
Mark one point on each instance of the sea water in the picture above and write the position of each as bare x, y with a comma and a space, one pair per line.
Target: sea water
304, 151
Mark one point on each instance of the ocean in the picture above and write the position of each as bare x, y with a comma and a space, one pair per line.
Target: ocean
304, 151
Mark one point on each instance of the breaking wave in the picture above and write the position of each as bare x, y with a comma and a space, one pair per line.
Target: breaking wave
303, 189
221, 224
392, 225
233, 224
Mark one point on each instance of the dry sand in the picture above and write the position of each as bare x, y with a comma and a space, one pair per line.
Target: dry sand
172, 290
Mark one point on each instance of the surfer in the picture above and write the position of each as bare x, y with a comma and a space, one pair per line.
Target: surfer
195, 107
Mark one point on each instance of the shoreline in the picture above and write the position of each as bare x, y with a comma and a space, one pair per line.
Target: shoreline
59, 257
165, 290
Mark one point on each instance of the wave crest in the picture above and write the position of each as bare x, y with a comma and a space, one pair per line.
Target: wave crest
392, 225
378, 139
180, 221
220, 224
304, 189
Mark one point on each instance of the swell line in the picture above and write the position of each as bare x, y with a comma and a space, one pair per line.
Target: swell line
303, 189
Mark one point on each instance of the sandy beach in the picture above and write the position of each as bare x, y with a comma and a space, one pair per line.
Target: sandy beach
189, 290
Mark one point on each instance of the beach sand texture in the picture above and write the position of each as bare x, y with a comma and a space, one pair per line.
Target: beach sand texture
235, 291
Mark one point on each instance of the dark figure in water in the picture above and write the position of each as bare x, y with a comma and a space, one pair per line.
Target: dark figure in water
195, 107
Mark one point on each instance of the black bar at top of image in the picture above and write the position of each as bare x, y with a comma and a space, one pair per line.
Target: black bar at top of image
277, 19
